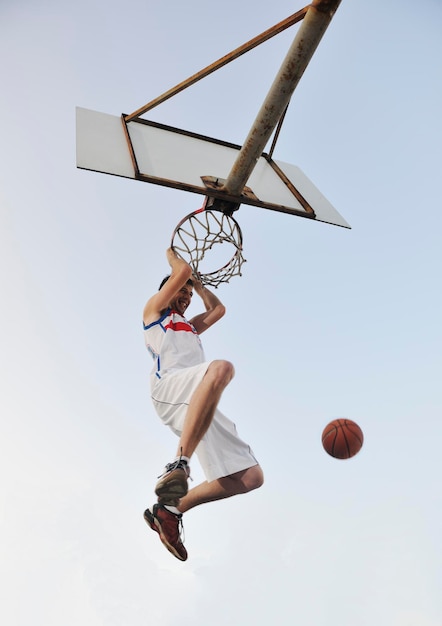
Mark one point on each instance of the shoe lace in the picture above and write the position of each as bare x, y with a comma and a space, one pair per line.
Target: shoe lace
181, 529
178, 464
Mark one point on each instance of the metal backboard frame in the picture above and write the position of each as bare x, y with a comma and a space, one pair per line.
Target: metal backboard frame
171, 157
227, 174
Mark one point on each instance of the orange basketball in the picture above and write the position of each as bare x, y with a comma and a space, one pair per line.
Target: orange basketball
342, 438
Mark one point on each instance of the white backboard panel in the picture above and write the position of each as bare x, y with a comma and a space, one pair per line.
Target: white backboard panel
171, 157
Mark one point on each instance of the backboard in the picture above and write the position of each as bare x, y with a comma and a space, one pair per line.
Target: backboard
147, 151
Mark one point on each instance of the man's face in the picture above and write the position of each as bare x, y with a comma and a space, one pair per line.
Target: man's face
182, 299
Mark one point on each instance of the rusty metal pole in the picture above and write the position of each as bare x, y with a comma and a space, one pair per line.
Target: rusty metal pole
310, 32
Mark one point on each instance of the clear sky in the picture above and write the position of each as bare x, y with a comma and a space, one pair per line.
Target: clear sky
325, 322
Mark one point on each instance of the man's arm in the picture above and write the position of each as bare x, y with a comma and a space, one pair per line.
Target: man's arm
180, 274
214, 308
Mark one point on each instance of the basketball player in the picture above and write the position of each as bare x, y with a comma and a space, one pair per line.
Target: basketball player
185, 392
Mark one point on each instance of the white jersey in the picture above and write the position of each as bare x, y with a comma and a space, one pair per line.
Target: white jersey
173, 343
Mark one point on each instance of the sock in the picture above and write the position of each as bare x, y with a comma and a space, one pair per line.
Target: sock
172, 509
183, 458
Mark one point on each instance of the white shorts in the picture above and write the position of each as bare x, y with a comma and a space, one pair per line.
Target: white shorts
220, 452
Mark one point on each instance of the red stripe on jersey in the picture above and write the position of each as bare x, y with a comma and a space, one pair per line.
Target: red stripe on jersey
177, 326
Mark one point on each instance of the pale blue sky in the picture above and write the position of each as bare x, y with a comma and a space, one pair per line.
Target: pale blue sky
325, 322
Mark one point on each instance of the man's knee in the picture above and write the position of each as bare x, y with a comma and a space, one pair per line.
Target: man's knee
247, 480
253, 478
243, 481
220, 372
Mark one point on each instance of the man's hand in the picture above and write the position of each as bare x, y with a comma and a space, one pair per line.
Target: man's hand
172, 256
198, 285
214, 307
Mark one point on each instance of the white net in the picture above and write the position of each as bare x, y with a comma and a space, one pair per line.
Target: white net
207, 240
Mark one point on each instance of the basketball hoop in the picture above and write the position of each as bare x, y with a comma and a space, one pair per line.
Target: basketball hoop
210, 231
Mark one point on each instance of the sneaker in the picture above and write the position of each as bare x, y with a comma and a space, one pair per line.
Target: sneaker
172, 485
169, 526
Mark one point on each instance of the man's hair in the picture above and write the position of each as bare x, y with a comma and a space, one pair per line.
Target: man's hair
166, 278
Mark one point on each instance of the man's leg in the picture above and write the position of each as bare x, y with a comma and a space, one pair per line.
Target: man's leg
172, 485
202, 405
167, 522
240, 482
165, 517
